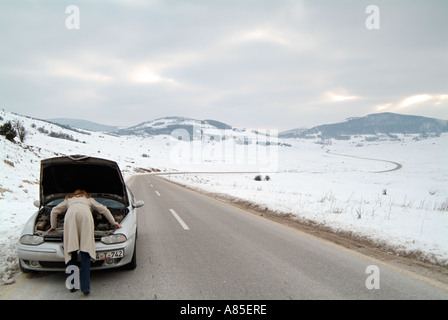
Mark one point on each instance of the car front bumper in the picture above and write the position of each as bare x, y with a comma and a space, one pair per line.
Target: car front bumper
49, 256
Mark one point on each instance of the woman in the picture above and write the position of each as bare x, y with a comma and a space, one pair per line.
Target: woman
79, 230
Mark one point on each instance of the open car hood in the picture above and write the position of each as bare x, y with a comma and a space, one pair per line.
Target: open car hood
63, 175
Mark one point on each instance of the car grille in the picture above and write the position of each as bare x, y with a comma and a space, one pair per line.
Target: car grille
53, 239
61, 264
60, 239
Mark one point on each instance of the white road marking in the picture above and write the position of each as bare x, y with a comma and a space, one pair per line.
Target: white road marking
179, 219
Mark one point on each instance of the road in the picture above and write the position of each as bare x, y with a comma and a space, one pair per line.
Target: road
397, 165
191, 246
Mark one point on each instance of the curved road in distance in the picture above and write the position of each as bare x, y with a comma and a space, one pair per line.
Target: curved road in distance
398, 166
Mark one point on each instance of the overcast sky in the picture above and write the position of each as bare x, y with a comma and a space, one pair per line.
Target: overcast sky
250, 63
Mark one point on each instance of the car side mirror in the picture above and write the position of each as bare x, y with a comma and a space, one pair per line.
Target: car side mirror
36, 203
138, 204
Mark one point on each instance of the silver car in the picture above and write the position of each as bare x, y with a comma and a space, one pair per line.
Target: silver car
39, 250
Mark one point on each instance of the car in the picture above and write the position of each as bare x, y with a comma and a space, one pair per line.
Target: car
39, 250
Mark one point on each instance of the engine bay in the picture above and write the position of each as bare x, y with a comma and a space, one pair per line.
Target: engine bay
102, 225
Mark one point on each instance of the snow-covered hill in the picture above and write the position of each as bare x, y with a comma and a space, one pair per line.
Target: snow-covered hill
84, 124
378, 123
344, 190
169, 124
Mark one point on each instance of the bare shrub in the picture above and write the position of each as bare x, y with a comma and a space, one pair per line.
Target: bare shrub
20, 129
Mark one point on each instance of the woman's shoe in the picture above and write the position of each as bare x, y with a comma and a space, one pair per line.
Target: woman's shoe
86, 292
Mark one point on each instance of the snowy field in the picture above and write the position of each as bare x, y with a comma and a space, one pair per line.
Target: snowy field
406, 208
336, 185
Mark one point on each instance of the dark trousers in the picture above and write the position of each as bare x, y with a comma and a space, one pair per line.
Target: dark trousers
84, 270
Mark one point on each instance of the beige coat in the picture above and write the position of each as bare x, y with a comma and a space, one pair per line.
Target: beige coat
78, 224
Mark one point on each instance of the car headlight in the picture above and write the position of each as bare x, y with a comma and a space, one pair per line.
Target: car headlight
114, 238
31, 239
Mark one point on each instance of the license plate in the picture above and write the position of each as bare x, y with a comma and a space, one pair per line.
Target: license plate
106, 255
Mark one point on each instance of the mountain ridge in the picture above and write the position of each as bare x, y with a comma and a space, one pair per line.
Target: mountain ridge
371, 124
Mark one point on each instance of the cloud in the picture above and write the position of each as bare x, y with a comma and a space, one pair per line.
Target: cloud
65, 70
148, 76
441, 99
263, 35
418, 98
284, 63
418, 103
382, 107
333, 97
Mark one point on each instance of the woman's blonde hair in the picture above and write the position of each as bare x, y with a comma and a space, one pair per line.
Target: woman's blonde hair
78, 193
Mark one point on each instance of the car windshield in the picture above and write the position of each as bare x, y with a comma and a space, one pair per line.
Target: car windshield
110, 203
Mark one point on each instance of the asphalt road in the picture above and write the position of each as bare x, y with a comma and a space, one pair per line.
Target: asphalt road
191, 246
397, 165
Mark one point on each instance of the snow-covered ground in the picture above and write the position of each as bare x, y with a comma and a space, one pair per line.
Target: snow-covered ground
406, 208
